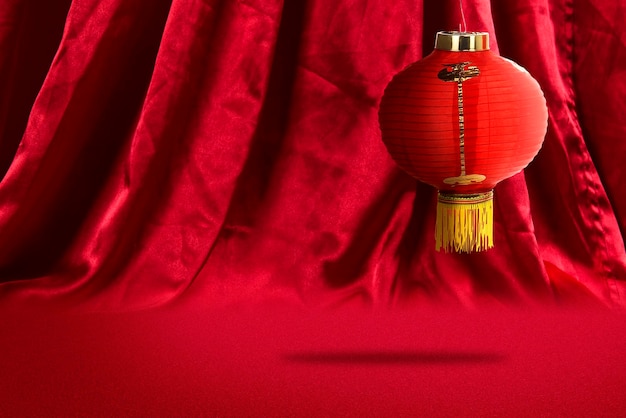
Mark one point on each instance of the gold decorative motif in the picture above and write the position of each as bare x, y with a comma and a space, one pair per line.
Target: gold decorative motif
458, 73
464, 180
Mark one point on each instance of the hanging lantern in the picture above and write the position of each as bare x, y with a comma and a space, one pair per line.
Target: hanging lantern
463, 119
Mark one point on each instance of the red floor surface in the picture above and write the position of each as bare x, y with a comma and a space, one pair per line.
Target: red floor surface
290, 363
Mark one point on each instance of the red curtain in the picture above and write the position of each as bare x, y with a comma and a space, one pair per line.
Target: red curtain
217, 152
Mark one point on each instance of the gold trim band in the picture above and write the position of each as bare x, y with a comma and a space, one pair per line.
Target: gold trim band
462, 41
464, 199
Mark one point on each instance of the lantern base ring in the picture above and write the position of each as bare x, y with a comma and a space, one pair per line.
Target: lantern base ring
464, 222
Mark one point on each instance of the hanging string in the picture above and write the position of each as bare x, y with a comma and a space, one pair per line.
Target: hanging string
462, 18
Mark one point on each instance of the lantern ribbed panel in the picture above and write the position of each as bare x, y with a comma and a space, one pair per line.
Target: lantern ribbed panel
505, 119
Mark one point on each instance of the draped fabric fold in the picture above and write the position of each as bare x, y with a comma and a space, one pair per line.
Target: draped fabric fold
223, 151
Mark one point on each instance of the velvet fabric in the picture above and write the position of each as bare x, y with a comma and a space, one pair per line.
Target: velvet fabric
223, 151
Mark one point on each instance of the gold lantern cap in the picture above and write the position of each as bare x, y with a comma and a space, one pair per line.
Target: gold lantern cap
462, 41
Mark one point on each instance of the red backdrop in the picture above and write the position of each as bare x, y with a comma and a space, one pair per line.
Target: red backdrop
228, 151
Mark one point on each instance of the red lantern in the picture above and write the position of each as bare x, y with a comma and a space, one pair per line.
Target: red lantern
463, 119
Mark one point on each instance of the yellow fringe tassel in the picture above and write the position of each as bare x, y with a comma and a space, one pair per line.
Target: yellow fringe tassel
464, 222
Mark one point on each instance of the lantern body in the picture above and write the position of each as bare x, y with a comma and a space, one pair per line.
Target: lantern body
462, 120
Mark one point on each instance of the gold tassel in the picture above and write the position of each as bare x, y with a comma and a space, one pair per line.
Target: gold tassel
464, 222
